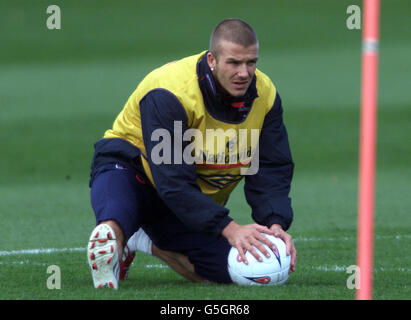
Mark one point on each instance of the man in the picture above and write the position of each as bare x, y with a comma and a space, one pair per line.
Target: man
147, 190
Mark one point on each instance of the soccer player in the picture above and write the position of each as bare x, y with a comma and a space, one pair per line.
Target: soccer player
159, 182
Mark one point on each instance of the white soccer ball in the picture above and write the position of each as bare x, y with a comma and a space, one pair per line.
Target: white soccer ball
271, 271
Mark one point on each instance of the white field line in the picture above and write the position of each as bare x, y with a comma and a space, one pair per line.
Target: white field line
156, 266
81, 249
39, 251
377, 237
32, 263
344, 269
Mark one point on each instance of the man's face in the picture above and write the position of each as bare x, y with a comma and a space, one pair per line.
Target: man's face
234, 67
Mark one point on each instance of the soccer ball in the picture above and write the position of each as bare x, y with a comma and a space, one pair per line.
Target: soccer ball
271, 271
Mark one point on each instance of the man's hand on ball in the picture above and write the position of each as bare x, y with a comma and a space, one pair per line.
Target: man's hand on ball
248, 237
278, 232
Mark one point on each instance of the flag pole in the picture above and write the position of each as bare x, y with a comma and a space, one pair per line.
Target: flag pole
367, 148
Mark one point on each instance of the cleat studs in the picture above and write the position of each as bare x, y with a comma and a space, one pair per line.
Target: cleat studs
92, 257
109, 235
96, 235
94, 266
102, 240
111, 248
92, 245
109, 259
111, 284
102, 252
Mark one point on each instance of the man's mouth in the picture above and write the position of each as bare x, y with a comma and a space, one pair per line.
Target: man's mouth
240, 84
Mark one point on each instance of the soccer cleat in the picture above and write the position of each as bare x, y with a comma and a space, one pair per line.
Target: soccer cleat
102, 257
128, 257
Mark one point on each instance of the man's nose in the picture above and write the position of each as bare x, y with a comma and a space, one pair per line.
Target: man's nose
242, 71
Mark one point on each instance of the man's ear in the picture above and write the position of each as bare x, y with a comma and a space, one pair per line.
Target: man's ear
211, 60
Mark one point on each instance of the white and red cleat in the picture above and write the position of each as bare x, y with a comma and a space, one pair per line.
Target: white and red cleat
102, 257
128, 257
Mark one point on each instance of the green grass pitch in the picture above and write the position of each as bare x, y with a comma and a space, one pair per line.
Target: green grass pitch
61, 89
